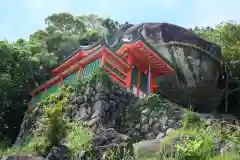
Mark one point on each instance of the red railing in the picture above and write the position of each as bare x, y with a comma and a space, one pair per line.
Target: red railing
112, 64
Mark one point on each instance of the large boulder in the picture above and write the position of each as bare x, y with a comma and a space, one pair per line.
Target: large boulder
59, 152
109, 139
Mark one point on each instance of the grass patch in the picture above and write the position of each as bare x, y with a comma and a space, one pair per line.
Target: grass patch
79, 137
191, 144
196, 140
53, 128
33, 145
191, 119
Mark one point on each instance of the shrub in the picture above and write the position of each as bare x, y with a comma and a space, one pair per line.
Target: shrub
79, 137
196, 144
190, 119
99, 76
155, 102
54, 126
227, 156
79, 86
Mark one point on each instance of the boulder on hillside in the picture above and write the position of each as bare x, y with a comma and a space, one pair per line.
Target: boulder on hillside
109, 139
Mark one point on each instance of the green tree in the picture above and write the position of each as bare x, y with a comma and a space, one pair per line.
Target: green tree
64, 23
24, 65
111, 25
227, 36
65, 32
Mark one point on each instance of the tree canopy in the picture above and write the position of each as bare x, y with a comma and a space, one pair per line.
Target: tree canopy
25, 64
227, 36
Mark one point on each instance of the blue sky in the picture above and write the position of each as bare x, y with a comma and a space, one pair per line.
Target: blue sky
19, 18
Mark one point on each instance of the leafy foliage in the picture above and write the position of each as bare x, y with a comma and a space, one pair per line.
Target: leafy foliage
99, 76
196, 140
25, 64
54, 126
226, 35
190, 119
23, 67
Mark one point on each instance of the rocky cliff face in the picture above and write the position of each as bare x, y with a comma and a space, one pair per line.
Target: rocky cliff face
119, 119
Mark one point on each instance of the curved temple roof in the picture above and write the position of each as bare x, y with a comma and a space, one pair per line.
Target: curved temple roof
160, 33
154, 35
193, 62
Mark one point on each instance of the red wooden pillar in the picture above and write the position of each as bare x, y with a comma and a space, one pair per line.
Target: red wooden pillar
103, 60
129, 72
152, 84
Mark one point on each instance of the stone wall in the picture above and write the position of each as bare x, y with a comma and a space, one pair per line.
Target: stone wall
144, 121
100, 106
140, 119
153, 119
104, 106
116, 115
